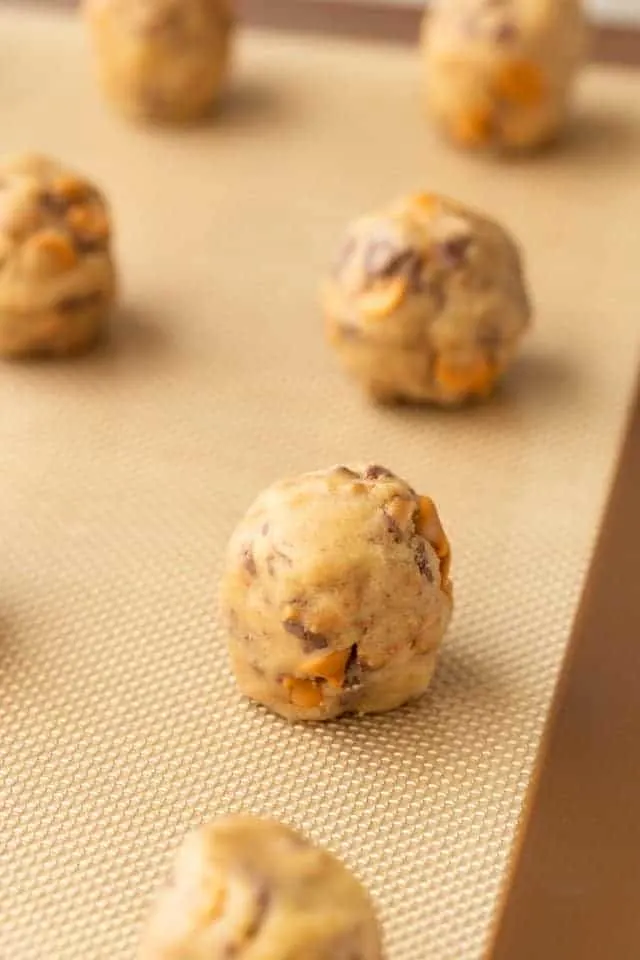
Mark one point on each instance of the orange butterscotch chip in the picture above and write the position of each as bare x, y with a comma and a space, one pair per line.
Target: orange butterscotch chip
429, 525
520, 82
430, 528
330, 667
381, 299
474, 377
473, 127
427, 202
53, 248
445, 567
69, 187
90, 221
303, 693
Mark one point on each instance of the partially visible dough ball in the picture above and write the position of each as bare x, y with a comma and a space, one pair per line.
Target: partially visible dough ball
336, 594
57, 278
252, 889
161, 59
427, 302
501, 72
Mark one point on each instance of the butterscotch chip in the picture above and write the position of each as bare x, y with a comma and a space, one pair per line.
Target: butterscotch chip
475, 376
72, 188
426, 201
245, 888
502, 74
57, 277
161, 60
303, 693
331, 668
88, 221
473, 126
383, 298
354, 553
428, 525
520, 82
49, 251
427, 302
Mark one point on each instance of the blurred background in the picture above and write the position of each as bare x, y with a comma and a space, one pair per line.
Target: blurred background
623, 11
610, 11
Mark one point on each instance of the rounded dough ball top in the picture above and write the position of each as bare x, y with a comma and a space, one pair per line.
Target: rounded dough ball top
161, 60
250, 889
426, 302
57, 279
336, 594
501, 73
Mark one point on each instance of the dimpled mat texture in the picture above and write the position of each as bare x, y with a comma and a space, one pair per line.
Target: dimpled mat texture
124, 473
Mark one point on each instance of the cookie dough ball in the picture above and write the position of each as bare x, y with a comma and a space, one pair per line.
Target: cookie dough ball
161, 60
426, 302
336, 594
253, 889
57, 278
501, 72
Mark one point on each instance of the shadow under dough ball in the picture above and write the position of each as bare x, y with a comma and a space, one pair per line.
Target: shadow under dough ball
243, 887
162, 60
501, 73
336, 594
426, 302
57, 278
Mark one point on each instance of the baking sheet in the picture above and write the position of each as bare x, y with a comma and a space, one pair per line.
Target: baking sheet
124, 473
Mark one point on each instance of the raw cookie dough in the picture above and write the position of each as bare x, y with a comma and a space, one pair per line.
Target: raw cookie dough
57, 278
336, 594
427, 302
161, 59
254, 889
501, 72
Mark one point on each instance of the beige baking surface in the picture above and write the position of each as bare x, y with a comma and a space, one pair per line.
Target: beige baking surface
123, 474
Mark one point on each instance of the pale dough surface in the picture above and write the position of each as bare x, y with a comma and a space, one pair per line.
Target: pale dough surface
427, 301
502, 73
57, 278
254, 889
336, 594
161, 59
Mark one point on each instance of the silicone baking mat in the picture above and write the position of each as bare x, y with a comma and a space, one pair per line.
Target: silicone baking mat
124, 473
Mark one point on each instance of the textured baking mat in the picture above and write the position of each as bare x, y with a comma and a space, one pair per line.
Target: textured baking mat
123, 474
